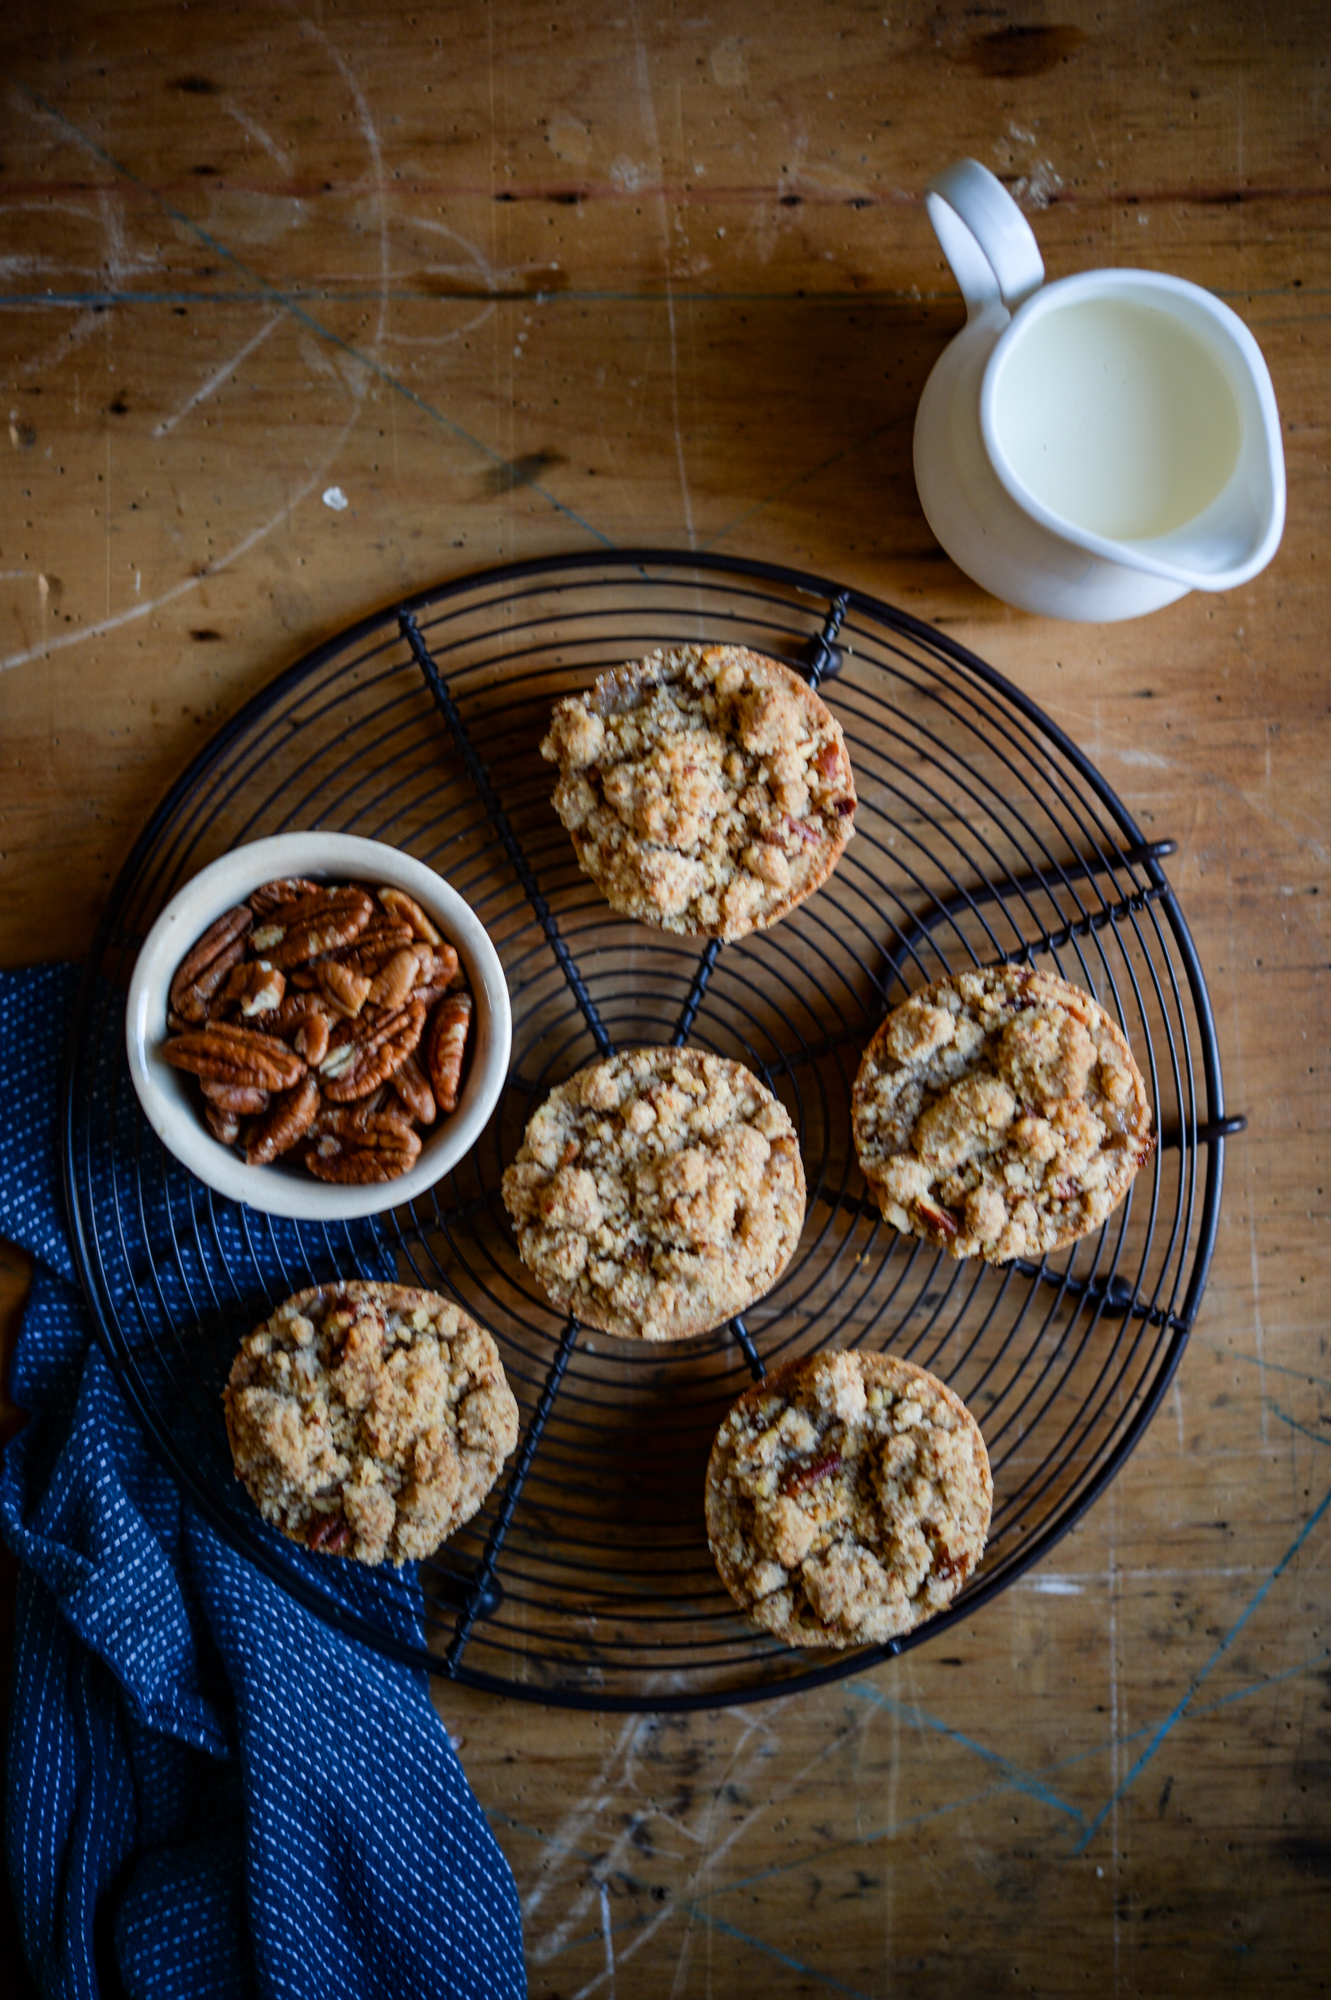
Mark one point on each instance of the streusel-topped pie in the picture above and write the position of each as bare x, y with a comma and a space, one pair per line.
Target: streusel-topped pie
999, 1114
848, 1499
369, 1420
658, 1192
707, 789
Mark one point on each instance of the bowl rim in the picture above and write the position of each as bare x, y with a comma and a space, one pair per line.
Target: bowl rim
161, 1090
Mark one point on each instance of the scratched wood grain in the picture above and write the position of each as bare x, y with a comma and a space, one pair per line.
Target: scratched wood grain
308, 305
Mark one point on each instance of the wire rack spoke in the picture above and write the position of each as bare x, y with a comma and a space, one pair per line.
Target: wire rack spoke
821, 658
489, 798
484, 1575
983, 835
697, 989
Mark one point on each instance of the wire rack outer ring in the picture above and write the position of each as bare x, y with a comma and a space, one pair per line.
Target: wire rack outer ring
786, 594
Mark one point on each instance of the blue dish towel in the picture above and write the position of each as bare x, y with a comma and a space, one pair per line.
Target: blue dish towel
210, 1790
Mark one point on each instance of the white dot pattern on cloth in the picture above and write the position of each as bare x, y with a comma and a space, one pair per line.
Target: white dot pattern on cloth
205, 1779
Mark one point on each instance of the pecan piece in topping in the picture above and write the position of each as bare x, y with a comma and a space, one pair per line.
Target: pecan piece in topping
202, 972
319, 923
362, 1149
940, 1219
224, 1053
801, 1477
445, 1045
946, 1565
289, 1117
331, 1533
379, 1044
408, 911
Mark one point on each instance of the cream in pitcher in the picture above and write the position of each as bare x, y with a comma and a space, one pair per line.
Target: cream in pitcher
1094, 448
1118, 419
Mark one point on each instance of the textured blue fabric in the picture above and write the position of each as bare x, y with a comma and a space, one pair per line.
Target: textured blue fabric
210, 1791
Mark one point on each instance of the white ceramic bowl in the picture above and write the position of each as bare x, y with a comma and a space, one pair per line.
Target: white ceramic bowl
170, 1099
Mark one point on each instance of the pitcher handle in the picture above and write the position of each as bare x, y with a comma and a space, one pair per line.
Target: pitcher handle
985, 237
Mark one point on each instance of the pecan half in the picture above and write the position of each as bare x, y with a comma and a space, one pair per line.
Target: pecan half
395, 980
240, 1100
346, 991
288, 1118
257, 985
224, 1053
294, 1008
377, 1146
340, 1058
333, 1117
311, 1038
341, 1121
365, 1053
439, 964
374, 946
202, 972
410, 1083
317, 923
224, 1125
445, 1045
289, 889
408, 911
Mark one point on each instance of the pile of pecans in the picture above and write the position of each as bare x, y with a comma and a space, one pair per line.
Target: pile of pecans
326, 1023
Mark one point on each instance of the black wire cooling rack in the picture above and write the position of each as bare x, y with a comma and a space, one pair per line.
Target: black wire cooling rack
982, 834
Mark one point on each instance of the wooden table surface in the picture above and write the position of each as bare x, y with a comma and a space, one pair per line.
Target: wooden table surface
306, 306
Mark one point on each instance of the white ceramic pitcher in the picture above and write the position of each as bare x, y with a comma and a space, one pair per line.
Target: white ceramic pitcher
1095, 448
